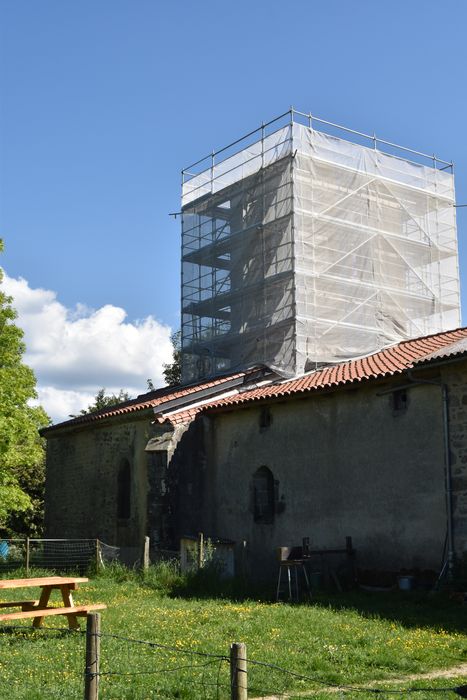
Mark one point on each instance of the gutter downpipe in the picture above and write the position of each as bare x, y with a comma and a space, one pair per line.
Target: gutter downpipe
447, 469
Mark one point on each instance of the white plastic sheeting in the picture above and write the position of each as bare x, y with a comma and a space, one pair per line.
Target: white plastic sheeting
305, 248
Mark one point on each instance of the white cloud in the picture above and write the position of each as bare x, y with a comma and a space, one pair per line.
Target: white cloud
60, 404
75, 352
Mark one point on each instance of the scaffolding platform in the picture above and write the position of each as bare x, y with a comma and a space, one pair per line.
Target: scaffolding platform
301, 248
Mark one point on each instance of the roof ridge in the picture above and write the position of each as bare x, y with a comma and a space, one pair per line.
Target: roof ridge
432, 335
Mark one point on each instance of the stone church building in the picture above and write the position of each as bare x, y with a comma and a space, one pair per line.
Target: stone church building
324, 392
375, 449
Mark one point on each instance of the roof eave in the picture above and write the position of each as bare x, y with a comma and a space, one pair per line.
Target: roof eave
69, 427
327, 389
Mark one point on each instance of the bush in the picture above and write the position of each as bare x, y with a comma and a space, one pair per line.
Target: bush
115, 571
164, 576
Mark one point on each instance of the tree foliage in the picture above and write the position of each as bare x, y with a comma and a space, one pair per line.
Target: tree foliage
21, 448
172, 371
103, 400
29, 522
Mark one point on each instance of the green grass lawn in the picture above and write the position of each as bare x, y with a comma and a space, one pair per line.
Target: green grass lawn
349, 638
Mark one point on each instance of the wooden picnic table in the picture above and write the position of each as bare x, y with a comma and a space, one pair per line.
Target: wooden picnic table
38, 609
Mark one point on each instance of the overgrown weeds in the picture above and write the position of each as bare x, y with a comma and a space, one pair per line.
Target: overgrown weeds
166, 578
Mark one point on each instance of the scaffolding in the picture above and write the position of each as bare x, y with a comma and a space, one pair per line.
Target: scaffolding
302, 248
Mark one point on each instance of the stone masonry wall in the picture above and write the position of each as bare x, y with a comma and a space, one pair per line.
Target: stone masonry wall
82, 478
455, 375
343, 463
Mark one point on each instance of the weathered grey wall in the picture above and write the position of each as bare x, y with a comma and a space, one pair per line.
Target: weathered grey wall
81, 481
346, 465
188, 483
345, 462
455, 375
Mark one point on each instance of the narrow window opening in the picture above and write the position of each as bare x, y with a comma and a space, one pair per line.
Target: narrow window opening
265, 418
264, 490
124, 491
399, 401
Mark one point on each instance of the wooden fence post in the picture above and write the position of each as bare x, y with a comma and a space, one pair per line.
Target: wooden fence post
98, 556
145, 558
200, 550
238, 672
27, 556
93, 645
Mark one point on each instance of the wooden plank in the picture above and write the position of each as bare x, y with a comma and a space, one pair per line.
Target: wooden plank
42, 604
69, 603
41, 581
37, 612
18, 604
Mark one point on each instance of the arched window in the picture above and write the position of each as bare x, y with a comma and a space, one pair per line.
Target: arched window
124, 491
263, 496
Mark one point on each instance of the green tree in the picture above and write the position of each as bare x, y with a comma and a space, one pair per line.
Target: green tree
103, 400
172, 371
29, 522
21, 448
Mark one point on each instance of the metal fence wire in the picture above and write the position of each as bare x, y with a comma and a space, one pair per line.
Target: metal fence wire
176, 672
61, 555
136, 669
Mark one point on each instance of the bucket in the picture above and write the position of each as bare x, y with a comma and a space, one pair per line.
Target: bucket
405, 583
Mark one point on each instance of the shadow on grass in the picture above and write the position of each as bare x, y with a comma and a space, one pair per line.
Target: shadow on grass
18, 634
410, 609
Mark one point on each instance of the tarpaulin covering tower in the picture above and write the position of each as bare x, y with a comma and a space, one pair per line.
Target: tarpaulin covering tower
302, 248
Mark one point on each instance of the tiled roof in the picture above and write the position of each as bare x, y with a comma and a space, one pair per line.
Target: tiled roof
390, 361
151, 399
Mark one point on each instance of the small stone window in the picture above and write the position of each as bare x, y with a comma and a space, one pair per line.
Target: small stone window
263, 496
124, 491
265, 418
400, 401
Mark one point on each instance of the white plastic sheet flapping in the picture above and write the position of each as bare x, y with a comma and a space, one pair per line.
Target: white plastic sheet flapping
307, 249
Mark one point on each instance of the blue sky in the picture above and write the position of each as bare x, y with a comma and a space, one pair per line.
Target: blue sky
103, 103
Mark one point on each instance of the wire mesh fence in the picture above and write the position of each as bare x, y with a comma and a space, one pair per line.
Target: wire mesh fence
12, 554
60, 555
168, 555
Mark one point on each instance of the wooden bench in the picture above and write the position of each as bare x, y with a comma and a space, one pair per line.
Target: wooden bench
44, 612
21, 603
38, 609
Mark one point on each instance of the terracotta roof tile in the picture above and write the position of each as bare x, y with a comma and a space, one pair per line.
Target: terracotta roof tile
390, 361
151, 399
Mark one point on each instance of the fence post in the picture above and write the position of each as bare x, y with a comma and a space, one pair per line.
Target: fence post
93, 645
145, 558
98, 556
27, 556
238, 672
200, 550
